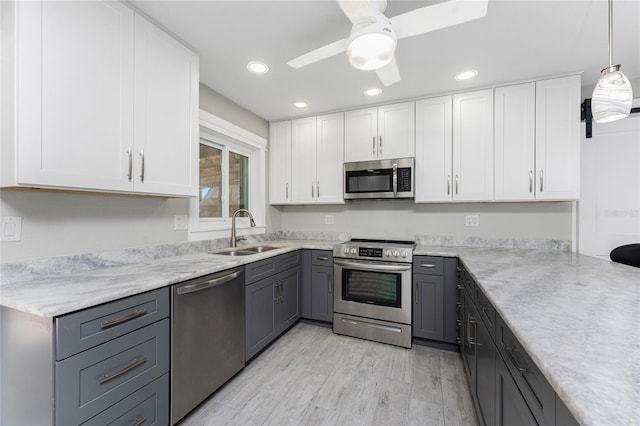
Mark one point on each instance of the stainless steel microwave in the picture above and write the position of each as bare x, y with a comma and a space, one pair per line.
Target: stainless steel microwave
379, 179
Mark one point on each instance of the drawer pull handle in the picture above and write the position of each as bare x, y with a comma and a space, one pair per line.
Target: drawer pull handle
108, 377
427, 265
512, 358
133, 315
138, 421
322, 258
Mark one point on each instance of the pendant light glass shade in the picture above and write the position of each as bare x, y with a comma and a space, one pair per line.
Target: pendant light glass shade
612, 96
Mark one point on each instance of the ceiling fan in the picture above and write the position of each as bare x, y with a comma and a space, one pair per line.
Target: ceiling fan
373, 38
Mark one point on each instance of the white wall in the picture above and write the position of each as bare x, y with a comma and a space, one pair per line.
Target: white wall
57, 223
402, 219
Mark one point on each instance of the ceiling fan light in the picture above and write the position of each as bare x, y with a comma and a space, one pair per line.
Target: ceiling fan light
371, 51
612, 96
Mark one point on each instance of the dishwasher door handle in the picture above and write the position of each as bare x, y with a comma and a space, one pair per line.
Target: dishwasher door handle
192, 288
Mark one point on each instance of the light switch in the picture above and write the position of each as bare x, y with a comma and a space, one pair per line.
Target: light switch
10, 229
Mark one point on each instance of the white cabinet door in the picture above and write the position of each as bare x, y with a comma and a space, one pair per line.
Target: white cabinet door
558, 138
303, 160
360, 135
75, 94
166, 113
396, 131
515, 142
280, 162
434, 150
329, 161
473, 146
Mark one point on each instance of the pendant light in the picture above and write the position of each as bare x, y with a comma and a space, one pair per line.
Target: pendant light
612, 96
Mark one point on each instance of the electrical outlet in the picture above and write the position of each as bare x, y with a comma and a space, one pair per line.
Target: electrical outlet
472, 220
180, 222
328, 219
10, 229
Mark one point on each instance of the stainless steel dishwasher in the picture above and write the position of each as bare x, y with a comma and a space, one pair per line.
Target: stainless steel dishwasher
207, 337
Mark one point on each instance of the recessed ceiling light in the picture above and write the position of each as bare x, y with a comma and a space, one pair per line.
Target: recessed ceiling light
466, 75
300, 104
257, 67
373, 92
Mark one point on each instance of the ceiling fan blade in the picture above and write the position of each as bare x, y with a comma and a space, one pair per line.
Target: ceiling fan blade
441, 15
319, 54
389, 74
359, 11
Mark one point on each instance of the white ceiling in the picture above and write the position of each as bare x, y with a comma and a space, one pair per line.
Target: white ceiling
517, 40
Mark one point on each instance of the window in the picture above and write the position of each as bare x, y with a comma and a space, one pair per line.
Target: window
231, 177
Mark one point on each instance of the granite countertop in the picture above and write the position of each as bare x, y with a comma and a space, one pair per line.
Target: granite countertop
577, 317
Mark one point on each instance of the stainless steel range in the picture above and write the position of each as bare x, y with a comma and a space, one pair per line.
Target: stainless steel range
372, 290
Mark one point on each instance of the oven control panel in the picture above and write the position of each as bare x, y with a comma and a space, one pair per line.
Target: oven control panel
391, 254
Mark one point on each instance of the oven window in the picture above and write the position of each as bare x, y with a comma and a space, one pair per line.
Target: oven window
370, 181
376, 288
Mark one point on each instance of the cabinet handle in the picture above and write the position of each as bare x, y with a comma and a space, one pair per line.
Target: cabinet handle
312, 191
541, 180
108, 377
427, 265
322, 258
448, 184
133, 315
142, 165
374, 145
456, 184
287, 191
138, 421
380, 145
417, 294
130, 173
330, 285
512, 358
470, 340
530, 180
318, 189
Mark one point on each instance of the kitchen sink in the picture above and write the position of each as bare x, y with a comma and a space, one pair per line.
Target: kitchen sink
243, 251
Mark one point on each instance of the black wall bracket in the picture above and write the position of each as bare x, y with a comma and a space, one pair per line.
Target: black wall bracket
587, 117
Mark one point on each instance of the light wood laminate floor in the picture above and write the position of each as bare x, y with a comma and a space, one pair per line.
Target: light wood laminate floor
311, 376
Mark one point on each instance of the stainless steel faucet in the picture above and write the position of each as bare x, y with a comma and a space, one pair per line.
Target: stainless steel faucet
234, 239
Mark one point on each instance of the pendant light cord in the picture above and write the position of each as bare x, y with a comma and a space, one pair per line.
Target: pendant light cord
610, 33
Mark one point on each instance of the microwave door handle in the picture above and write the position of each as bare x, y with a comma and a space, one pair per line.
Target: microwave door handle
395, 180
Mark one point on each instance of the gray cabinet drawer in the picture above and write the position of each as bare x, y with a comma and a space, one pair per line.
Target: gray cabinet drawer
428, 265
537, 392
85, 329
259, 270
486, 312
321, 258
288, 260
95, 379
148, 406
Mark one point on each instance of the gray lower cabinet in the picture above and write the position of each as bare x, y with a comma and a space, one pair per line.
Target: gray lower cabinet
434, 298
104, 364
317, 285
272, 302
511, 408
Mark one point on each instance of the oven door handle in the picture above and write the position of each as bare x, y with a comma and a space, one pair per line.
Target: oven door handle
373, 266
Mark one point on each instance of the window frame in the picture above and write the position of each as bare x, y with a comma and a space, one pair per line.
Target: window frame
228, 137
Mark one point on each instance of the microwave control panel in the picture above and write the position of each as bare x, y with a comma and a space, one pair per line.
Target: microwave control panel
404, 179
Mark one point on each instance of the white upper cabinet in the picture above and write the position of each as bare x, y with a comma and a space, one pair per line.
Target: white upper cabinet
434, 150
306, 157
280, 162
384, 132
515, 142
303, 160
166, 113
473, 146
81, 67
329, 162
558, 138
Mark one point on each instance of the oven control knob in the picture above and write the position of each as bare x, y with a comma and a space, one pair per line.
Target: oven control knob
346, 250
404, 254
353, 250
387, 253
396, 253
